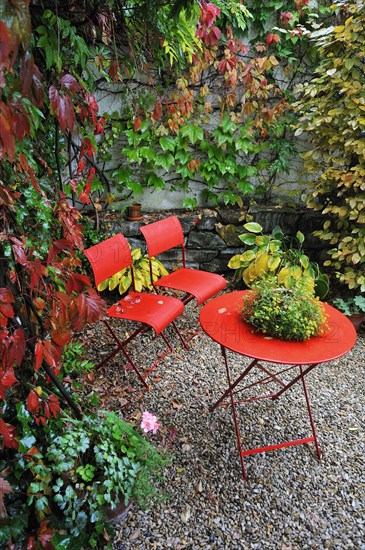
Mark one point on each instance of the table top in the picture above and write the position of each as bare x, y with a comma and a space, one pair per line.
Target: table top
220, 319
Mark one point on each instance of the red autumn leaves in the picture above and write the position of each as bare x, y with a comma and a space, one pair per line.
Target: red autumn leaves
42, 408
207, 31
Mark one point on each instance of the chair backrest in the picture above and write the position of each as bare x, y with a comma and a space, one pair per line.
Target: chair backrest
163, 235
109, 257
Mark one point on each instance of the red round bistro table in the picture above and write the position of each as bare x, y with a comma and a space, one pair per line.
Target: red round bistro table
221, 320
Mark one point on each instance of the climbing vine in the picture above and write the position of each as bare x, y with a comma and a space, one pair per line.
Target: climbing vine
332, 113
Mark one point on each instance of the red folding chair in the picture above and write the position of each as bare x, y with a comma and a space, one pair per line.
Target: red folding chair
147, 309
165, 234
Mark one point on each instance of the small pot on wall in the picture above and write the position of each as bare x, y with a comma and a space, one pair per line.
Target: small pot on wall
134, 212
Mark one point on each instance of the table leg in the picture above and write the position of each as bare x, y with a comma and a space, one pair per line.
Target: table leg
310, 414
230, 392
294, 381
235, 383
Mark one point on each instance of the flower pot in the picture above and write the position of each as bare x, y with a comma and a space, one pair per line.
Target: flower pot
134, 212
357, 319
119, 513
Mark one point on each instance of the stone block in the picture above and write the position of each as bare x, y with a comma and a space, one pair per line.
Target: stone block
129, 229
188, 222
269, 217
205, 240
232, 215
229, 233
171, 258
207, 223
137, 243
217, 265
200, 256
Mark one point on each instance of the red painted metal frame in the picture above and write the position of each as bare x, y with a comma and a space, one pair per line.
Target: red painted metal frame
146, 309
166, 234
221, 320
196, 284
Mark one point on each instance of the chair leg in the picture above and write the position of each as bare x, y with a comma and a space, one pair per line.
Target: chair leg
169, 350
125, 353
180, 335
121, 347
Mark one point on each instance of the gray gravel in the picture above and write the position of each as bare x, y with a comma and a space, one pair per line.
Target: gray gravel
290, 501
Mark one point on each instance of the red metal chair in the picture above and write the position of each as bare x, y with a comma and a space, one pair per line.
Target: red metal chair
165, 234
147, 309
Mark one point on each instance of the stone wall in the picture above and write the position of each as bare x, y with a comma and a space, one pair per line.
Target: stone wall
211, 236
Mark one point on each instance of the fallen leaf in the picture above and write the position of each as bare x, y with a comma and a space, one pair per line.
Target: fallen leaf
185, 516
135, 535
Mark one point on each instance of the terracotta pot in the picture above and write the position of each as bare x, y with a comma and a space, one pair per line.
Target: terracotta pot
357, 320
134, 212
119, 513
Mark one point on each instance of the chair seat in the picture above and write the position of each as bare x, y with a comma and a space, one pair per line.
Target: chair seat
152, 309
201, 284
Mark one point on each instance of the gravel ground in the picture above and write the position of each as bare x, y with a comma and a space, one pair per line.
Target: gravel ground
290, 500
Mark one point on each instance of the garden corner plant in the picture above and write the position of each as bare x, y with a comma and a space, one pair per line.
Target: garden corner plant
84, 469
54, 144
95, 464
277, 255
49, 136
349, 306
331, 110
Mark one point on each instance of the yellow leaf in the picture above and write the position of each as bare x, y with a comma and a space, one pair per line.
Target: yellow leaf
138, 285
295, 271
283, 274
235, 262
274, 263
273, 60
114, 281
102, 286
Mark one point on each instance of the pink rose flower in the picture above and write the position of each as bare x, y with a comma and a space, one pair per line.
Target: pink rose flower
149, 422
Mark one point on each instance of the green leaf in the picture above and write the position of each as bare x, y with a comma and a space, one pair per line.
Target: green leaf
300, 237
321, 288
228, 126
190, 203
253, 227
193, 132
165, 160
304, 261
155, 181
147, 152
182, 156
135, 186
247, 238
167, 143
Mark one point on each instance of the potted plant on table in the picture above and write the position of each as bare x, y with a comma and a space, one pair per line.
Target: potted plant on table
353, 308
286, 313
